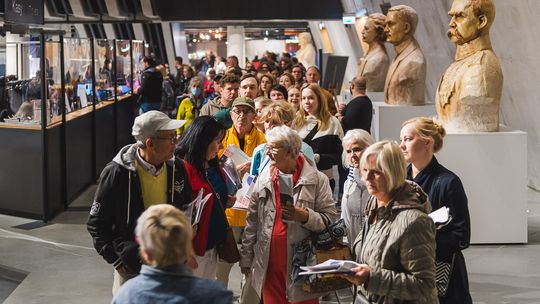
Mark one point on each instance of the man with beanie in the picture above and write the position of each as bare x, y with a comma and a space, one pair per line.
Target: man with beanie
140, 175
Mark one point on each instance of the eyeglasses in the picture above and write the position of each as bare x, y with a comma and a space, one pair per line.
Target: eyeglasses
173, 140
244, 111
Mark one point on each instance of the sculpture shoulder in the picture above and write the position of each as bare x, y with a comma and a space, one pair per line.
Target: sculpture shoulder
482, 67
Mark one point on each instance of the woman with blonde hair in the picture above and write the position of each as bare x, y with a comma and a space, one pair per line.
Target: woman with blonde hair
319, 129
396, 248
164, 235
294, 97
421, 137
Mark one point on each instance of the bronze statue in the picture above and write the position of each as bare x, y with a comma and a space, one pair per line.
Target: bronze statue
469, 93
406, 77
374, 65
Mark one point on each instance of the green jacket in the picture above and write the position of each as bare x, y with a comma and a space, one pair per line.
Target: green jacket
399, 248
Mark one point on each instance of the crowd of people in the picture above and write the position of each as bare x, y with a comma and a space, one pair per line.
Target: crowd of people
276, 112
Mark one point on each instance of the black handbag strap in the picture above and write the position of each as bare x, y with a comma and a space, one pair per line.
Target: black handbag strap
311, 134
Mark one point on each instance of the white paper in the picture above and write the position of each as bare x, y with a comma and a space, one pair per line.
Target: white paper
82, 96
238, 156
440, 215
330, 266
243, 194
188, 211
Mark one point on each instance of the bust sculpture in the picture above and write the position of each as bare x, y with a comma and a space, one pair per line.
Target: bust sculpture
374, 65
406, 77
469, 93
306, 53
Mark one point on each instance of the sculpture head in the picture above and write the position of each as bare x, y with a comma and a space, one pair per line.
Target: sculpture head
470, 19
374, 28
400, 24
304, 38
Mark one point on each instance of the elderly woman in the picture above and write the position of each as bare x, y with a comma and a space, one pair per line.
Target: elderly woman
164, 234
355, 194
420, 138
319, 129
274, 115
190, 106
397, 244
274, 227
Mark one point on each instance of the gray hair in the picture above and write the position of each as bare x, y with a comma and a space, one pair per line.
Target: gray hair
359, 136
285, 137
390, 162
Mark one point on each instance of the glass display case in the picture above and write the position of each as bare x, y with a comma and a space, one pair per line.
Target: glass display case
78, 74
123, 67
23, 85
103, 66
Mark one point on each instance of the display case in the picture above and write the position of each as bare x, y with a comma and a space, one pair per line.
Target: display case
105, 114
31, 127
126, 106
78, 82
65, 110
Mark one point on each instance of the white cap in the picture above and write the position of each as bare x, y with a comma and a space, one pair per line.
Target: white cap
148, 124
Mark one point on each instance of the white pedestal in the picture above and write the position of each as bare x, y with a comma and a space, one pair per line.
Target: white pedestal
493, 169
387, 119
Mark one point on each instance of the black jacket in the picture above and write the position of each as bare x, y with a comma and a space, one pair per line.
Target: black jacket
118, 204
444, 188
151, 83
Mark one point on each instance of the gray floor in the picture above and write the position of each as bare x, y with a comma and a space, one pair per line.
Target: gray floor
57, 264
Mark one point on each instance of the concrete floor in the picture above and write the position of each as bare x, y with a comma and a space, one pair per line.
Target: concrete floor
57, 263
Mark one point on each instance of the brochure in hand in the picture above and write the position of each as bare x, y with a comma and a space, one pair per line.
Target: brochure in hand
238, 156
441, 217
330, 267
243, 194
232, 179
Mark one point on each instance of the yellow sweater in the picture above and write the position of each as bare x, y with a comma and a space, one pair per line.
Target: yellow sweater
185, 112
153, 188
237, 218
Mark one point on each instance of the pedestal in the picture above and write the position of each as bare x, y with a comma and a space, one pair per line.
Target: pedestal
387, 119
493, 169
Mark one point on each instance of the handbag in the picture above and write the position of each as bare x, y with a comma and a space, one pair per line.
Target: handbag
318, 248
228, 250
443, 271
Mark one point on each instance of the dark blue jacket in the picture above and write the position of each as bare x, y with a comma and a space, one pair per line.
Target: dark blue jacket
444, 188
173, 284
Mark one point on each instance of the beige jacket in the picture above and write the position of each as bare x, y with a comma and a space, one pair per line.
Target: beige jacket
312, 192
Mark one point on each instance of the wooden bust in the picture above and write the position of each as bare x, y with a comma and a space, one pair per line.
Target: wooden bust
374, 65
406, 78
469, 93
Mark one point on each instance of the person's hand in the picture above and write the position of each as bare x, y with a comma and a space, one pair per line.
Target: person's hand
359, 276
292, 213
123, 269
341, 108
231, 199
246, 271
243, 168
192, 263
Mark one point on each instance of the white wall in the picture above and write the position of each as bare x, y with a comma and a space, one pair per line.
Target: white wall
515, 41
257, 47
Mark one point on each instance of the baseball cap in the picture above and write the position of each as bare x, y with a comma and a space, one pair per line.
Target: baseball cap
244, 101
146, 125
